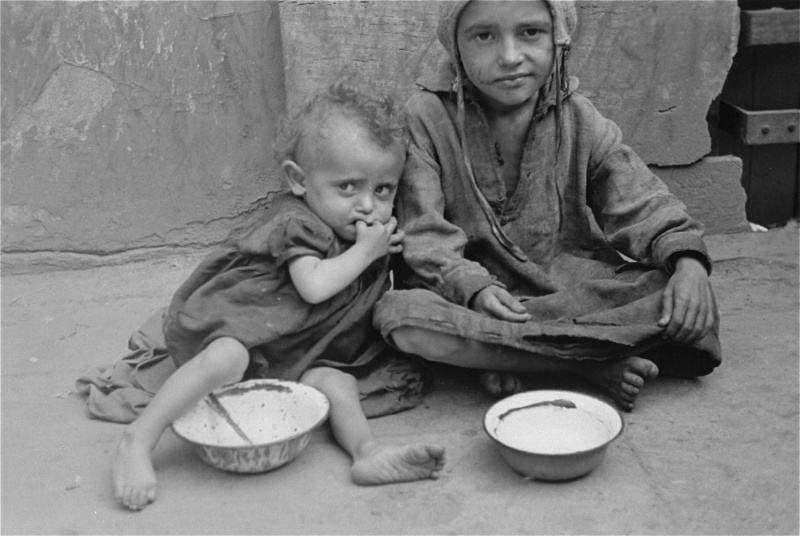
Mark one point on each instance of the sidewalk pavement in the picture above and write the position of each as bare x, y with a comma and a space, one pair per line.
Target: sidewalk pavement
717, 455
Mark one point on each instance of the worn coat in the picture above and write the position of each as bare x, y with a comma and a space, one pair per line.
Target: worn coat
582, 202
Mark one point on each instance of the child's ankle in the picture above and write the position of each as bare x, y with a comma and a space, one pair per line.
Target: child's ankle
134, 435
365, 449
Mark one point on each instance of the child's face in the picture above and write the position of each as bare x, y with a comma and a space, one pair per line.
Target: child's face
506, 48
349, 177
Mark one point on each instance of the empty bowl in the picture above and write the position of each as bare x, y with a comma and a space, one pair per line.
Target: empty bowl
553, 434
274, 419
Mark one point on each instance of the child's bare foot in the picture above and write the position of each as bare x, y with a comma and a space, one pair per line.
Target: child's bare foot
499, 384
622, 379
133, 475
389, 464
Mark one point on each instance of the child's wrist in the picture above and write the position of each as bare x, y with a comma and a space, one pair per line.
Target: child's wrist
683, 261
362, 254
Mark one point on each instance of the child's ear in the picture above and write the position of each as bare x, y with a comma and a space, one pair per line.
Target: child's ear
296, 177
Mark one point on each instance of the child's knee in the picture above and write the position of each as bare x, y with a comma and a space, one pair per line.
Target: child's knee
326, 379
408, 340
225, 355
426, 343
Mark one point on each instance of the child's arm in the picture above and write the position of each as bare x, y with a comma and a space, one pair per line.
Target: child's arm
318, 279
643, 220
634, 208
434, 247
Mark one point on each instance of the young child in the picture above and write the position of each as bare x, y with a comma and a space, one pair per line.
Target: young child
294, 292
517, 199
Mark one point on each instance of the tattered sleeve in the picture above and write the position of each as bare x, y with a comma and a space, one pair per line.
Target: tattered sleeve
633, 207
292, 234
433, 247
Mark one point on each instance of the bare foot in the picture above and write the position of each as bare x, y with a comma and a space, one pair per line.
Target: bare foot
389, 464
499, 384
622, 379
133, 475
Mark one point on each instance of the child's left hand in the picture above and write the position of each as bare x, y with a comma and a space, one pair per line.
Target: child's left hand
378, 240
497, 302
688, 308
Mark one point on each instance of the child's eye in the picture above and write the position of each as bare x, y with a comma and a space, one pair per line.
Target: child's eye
385, 190
483, 36
535, 32
347, 187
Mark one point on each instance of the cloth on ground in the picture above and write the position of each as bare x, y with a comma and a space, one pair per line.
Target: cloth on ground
119, 392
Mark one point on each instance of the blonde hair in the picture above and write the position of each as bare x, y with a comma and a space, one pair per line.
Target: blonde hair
379, 115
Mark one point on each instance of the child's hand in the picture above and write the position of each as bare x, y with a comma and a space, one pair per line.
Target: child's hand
688, 305
379, 239
498, 303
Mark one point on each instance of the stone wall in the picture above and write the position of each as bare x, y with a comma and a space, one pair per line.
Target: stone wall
130, 128
134, 126
652, 67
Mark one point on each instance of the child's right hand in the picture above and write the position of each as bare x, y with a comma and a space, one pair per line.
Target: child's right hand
497, 302
379, 239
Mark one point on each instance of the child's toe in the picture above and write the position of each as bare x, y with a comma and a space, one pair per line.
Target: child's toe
492, 383
630, 390
511, 384
633, 379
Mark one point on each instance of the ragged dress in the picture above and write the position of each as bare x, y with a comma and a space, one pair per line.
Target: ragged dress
583, 199
243, 290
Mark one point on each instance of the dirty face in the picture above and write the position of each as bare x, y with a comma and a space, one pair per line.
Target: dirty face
507, 50
349, 178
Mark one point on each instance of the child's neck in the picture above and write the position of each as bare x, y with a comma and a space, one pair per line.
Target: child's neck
509, 126
517, 114
509, 129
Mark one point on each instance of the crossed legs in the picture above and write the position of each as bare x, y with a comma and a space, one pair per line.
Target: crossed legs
622, 379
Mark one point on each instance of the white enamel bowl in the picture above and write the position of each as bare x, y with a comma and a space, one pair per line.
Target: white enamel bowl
553, 435
277, 416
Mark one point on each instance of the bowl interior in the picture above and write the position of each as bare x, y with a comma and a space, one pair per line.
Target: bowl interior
268, 411
553, 422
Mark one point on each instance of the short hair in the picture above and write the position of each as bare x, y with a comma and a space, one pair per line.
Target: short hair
377, 114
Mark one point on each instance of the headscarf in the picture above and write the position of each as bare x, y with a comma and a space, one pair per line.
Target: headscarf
565, 20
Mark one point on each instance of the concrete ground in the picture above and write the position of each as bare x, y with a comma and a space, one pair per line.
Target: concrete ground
717, 455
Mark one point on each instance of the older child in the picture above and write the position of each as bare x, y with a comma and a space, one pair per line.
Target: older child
294, 292
517, 199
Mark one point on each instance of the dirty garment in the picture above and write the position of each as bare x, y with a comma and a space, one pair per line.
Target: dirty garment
584, 199
243, 290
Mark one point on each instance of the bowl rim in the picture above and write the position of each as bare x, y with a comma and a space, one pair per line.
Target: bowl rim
557, 393
249, 384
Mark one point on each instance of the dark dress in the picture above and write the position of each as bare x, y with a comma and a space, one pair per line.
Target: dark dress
243, 290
